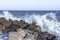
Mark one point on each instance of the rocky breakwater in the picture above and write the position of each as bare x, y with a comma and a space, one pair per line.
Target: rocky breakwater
21, 30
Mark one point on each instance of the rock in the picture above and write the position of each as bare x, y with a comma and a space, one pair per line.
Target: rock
13, 36
23, 24
21, 30
8, 23
2, 28
51, 37
29, 37
5, 22
46, 36
15, 22
19, 35
34, 28
12, 28
35, 35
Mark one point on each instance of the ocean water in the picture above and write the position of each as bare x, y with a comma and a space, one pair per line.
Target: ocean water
48, 20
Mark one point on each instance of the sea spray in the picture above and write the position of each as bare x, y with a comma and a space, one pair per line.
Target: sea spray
47, 22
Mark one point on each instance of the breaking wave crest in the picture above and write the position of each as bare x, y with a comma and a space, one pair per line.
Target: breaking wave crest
47, 22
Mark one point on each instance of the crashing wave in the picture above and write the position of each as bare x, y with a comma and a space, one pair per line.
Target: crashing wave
47, 22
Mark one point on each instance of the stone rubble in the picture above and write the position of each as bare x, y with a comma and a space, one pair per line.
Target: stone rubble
21, 30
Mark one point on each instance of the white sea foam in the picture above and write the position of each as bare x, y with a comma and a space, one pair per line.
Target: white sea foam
8, 16
47, 22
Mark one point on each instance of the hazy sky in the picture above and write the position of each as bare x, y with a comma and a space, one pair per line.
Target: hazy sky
29, 4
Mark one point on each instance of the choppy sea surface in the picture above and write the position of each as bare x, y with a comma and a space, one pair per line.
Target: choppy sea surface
48, 20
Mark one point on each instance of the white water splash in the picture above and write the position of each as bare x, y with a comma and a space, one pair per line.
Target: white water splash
8, 16
47, 22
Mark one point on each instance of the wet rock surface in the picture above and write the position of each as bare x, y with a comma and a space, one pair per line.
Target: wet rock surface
20, 30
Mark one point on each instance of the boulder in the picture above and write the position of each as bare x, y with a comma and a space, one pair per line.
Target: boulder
46, 36
22, 34
19, 35
15, 22
13, 36
21, 30
2, 27
23, 24
5, 22
34, 28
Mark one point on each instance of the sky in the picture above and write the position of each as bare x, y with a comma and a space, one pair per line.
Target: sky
29, 4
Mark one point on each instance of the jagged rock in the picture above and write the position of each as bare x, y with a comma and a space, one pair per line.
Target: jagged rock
5, 22
45, 36
2, 27
15, 22
48, 36
13, 36
34, 28
21, 30
8, 23
23, 24
29, 37
12, 28
21, 34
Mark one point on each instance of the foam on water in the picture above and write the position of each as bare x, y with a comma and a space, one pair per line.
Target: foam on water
47, 22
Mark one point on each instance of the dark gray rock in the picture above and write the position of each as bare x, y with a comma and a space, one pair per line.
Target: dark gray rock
31, 31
